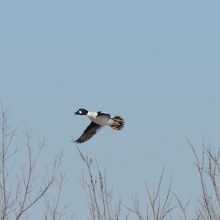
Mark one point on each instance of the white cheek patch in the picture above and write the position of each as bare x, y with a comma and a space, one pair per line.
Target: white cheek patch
80, 112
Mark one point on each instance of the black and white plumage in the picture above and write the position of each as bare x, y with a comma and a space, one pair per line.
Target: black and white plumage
99, 120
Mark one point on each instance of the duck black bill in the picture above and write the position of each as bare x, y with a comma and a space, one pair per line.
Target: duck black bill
76, 113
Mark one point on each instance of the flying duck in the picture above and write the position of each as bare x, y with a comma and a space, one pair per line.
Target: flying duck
99, 120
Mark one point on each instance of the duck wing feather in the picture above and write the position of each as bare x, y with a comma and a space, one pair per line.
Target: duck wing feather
92, 129
100, 113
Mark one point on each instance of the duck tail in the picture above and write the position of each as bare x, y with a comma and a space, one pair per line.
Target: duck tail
121, 122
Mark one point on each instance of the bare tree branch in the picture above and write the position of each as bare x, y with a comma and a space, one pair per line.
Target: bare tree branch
18, 197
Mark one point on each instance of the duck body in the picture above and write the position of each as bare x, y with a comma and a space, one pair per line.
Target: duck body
99, 119
102, 118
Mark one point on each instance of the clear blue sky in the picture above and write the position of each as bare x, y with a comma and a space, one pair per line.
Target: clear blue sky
155, 63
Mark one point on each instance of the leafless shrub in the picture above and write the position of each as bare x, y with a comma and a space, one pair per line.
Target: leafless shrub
158, 210
183, 207
208, 204
17, 197
52, 205
99, 198
209, 171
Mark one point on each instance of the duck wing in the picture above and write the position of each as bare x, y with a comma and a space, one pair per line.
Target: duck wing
92, 129
100, 113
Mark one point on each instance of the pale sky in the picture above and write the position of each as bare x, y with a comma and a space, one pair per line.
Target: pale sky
155, 63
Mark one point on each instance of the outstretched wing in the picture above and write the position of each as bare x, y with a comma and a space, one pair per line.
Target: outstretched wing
92, 129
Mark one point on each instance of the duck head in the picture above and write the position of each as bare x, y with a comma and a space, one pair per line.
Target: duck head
81, 111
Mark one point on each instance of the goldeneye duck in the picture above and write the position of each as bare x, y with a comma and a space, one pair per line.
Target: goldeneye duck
99, 120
